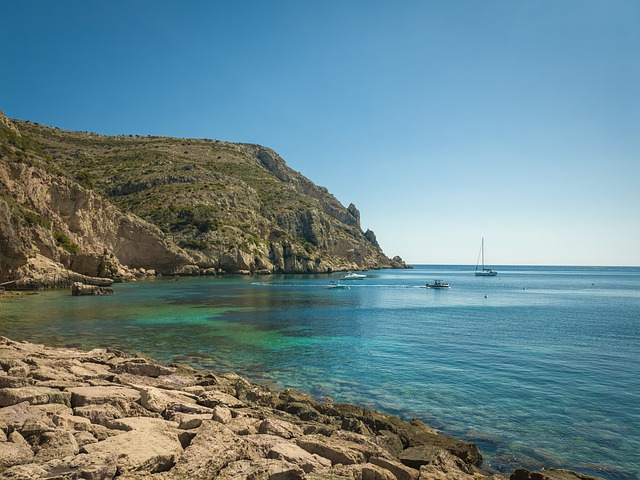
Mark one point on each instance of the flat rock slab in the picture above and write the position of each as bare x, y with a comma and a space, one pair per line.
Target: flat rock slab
83, 396
139, 366
213, 398
33, 395
96, 466
336, 450
157, 400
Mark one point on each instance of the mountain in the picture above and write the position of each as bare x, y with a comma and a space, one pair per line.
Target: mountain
83, 206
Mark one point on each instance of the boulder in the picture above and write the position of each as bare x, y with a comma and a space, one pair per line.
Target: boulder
262, 469
57, 444
23, 417
15, 451
415, 457
295, 455
222, 414
374, 472
548, 474
336, 450
84, 437
94, 466
280, 428
189, 422
389, 442
417, 434
302, 410
446, 466
150, 445
249, 392
158, 400
399, 470
244, 425
99, 414
213, 448
15, 367
363, 471
71, 422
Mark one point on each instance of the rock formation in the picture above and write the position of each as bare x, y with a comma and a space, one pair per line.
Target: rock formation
102, 414
79, 288
76, 206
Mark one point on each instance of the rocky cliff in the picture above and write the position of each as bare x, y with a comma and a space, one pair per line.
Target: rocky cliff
79, 206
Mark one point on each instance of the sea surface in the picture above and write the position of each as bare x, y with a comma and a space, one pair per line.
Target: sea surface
540, 365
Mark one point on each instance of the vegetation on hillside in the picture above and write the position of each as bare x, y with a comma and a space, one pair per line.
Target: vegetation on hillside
205, 195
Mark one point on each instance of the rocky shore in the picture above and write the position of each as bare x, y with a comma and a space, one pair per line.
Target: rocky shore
103, 414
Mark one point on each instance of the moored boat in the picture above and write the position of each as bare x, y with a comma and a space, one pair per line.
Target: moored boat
353, 276
484, 272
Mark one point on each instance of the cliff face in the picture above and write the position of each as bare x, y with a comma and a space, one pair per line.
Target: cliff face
52, 228
75, 203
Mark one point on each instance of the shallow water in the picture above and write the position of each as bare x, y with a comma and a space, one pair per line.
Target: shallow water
539, 364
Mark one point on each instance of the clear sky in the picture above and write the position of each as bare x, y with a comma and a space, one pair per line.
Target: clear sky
443, 121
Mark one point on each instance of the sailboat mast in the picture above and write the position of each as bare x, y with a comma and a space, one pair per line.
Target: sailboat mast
485, 272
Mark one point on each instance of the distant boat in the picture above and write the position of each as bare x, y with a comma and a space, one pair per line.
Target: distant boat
484, 272
335, 285
353, 276
438, 284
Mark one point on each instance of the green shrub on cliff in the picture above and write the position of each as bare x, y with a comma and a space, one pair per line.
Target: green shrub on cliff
194, 244
65, 242
33, 218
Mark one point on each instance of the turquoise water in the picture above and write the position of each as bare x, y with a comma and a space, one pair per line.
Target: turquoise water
539, 366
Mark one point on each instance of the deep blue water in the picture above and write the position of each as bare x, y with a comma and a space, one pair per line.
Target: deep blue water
540, 365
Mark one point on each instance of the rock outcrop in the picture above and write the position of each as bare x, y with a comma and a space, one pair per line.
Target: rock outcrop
79, 288
76, 206
101, 414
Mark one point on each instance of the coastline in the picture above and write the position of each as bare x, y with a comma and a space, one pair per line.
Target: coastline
105, 414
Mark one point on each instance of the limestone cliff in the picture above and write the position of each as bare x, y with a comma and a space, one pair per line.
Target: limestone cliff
78, 203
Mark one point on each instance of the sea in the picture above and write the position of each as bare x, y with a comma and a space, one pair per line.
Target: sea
540, 366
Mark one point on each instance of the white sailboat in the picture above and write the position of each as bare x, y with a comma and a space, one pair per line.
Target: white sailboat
484, 272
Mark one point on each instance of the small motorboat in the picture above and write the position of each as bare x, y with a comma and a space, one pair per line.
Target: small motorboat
438, 284
353, 276
336, 286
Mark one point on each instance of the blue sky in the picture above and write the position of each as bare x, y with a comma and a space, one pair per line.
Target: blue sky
442, 121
